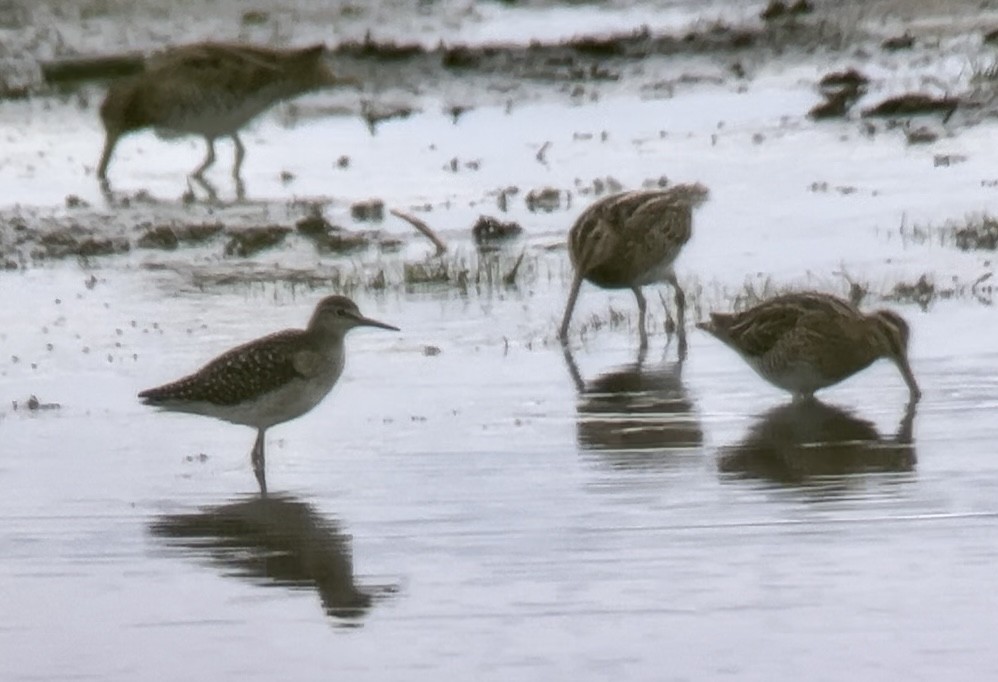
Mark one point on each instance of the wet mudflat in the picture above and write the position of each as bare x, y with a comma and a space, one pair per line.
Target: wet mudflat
470, 502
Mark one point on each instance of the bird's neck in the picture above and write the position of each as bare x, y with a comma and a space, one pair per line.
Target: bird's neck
324, 336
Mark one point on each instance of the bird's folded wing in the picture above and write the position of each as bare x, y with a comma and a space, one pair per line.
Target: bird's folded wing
242, 373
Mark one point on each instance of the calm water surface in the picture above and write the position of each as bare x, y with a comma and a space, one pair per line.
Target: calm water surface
488, 512
502, 511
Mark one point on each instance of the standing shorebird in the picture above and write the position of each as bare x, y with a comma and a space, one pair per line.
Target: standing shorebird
804, 342
212, 90
630, 239
271, 380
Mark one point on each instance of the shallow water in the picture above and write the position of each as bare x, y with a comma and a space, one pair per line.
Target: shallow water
483, 512
502, 510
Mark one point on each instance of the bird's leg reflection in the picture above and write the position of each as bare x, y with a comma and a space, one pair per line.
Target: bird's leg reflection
905, 433
259, 462
642, 309
636, 416
237, 168
573, 369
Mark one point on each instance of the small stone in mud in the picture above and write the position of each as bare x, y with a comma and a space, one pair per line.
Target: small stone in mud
372, 210
431, 351
850, 78
169, 237
457, 111
913, 103
488, 230
921, 135
461, 57
73, 201
252, 240
65, 243
374, 116
287, 177
343, 162
547, 200
329, 237
902, 42
390, 244
946, 160
836, 105
197, 232
991, 37
776, 9
314, 225
33, 404
600, 186
159, 237
254, 17
342, 241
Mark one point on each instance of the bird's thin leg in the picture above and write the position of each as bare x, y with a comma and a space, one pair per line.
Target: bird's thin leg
259, 462
642, 309
105, 157
208, 159
573, 294
680, 314
209, 188
240, 155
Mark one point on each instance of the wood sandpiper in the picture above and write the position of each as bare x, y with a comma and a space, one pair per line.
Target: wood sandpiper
271, 380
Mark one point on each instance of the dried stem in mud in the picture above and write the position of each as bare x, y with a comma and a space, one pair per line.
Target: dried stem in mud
424, 228
510, 278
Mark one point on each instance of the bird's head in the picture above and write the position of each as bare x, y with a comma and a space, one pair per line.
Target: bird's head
309, 68
338, 314
893, 332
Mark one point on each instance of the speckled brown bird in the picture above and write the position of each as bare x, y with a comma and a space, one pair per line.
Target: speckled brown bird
803, 342
630, 239
209, 89
271, 380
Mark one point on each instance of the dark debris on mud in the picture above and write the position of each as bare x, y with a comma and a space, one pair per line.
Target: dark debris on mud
581, 58
34, 236
915, 103
489, 232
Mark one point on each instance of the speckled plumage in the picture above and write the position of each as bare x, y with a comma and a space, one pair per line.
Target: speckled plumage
271, 380
208, 89
631, 239
803, 342
241, 374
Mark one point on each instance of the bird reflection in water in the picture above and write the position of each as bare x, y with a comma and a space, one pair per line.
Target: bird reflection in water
636, 415
807, 442
273, 540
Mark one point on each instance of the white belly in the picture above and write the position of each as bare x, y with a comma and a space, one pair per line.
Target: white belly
286, 403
